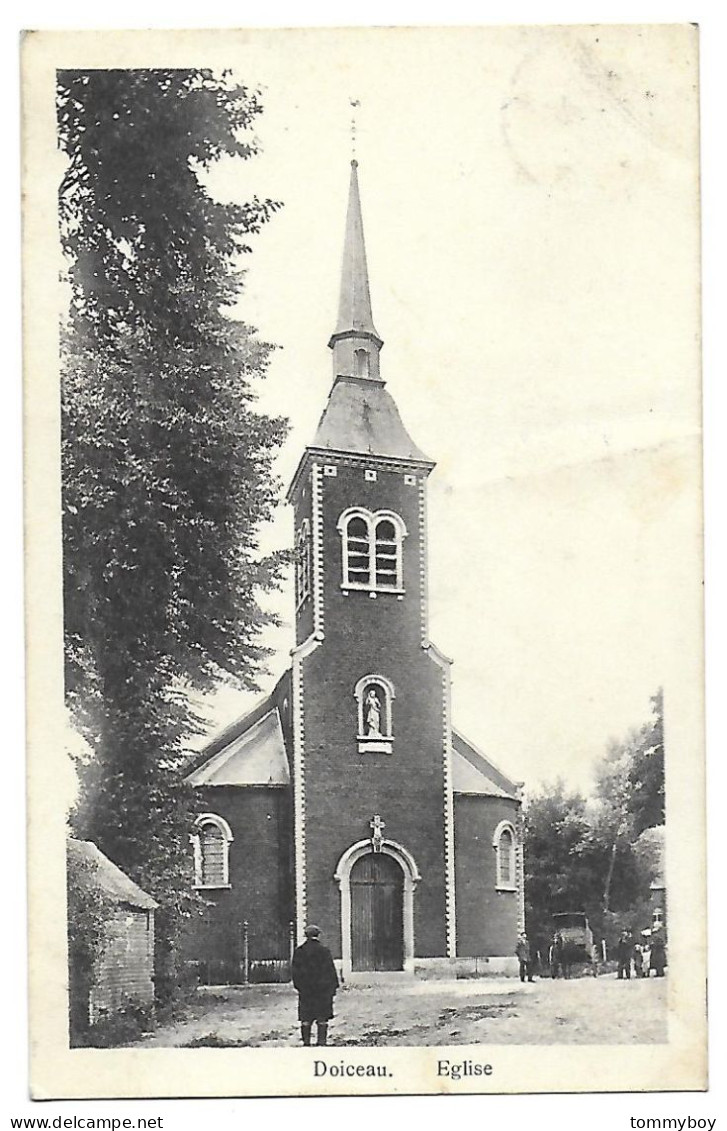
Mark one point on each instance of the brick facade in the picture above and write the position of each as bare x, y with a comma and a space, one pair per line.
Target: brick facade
260, 879
487, 919
345, 788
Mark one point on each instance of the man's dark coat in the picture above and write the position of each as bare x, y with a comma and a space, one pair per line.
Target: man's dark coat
315, 979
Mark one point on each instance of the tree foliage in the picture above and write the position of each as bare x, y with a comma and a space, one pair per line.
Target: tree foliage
166, 461
562, 858
646, 772
586, 856
88, 911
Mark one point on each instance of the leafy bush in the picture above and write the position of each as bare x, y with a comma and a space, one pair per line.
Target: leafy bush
119, 1028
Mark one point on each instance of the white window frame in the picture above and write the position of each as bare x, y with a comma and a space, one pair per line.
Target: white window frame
372, 520
500, 884
303, 563
196, 839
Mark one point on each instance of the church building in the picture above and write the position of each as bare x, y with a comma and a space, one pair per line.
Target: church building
347, 797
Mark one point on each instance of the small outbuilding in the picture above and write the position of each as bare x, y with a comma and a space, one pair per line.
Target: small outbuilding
111, 939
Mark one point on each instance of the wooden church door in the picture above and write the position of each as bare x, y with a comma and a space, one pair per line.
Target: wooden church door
377, 913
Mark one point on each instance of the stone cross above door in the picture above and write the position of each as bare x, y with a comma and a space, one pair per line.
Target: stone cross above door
377, 832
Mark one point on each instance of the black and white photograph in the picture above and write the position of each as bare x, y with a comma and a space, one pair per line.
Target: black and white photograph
364, 561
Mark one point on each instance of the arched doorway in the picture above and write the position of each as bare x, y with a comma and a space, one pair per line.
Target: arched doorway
381, 894
377, 913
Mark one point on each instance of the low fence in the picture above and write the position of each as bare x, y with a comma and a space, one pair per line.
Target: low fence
241, 968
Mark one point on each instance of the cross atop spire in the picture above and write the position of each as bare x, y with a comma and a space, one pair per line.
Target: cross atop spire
355, 341
355, 104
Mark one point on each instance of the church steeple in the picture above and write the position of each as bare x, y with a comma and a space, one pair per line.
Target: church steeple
355, 341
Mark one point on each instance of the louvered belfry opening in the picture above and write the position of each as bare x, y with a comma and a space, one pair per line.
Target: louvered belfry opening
358, 535
387, 554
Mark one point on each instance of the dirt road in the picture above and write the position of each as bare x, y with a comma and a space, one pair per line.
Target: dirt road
486, 1011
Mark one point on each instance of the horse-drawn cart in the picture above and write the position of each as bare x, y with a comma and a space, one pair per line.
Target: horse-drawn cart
577, 940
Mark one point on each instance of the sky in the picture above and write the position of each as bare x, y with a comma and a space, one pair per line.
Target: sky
529, 198
529, 203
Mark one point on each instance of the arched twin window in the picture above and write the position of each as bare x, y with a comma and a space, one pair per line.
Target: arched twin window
211, 844
302, 563
371, 550
504, 842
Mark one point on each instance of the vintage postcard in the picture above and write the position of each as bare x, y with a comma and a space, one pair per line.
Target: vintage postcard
364, 561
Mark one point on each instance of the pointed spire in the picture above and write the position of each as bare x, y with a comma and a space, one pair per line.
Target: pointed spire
355, 334
354, 308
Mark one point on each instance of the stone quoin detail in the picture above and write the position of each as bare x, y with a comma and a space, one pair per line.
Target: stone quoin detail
423, 551
448, 807
317, 511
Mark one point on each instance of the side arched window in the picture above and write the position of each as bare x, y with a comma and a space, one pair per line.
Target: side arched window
302, 563
504, 843
211, 843
372, 550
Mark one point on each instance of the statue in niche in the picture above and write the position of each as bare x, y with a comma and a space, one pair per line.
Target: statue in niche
372, 714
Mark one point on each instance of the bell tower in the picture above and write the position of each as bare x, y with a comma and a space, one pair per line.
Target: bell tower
372, 732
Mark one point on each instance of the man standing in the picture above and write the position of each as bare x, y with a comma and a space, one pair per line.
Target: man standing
316, 980
522, 950
624, 954
657, 960
555, 955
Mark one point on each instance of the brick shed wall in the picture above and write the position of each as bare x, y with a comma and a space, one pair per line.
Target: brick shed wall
125, 971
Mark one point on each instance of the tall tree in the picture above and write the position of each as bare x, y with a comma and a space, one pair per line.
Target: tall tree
614, 826
166, 462
563, 865
646, 774
587, 855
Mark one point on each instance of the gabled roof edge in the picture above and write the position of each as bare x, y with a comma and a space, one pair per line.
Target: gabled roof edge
234, 730
473, 755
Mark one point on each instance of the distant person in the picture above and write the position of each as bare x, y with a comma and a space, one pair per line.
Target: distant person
624, 954
638, 961
657, 960
646, 956
522, 950
555, 955
316, 980
568, 957
595, 960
